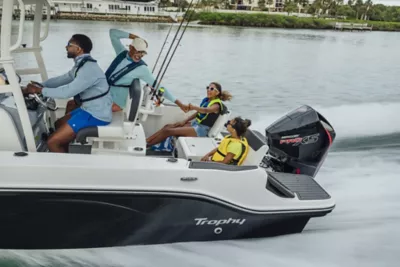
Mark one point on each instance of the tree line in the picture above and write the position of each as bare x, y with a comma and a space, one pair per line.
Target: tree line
352, 9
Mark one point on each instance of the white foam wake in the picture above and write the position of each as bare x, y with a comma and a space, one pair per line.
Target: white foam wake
349, 121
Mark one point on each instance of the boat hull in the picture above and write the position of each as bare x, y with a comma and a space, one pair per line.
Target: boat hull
85, 219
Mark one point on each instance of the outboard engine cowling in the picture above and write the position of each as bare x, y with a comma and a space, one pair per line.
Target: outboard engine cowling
298, 142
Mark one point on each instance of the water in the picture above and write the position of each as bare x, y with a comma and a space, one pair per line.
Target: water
351, 78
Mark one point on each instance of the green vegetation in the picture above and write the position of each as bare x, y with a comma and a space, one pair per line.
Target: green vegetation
354, 9
351, 9
281, 21
325, 14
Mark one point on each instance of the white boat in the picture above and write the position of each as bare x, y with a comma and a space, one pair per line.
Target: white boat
111, 191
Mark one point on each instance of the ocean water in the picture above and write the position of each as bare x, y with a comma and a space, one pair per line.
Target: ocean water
351, 78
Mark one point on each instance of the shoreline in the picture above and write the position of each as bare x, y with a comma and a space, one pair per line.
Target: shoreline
256, 20
288, 22
112, 17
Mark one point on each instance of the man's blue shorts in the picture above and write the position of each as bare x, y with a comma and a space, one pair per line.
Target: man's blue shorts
82, 119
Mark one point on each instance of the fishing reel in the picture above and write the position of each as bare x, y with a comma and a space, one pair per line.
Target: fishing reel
159, 96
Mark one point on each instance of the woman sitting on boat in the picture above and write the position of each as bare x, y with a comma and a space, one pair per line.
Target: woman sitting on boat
234, 148
199, 124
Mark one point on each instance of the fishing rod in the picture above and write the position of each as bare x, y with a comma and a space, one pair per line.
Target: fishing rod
162, 48
169, 50
173, 53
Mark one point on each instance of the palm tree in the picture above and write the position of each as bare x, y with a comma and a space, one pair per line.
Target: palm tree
368, 6
303, 3
358, 6
290, 6
317, 7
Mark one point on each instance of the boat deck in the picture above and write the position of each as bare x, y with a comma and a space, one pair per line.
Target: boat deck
305, 187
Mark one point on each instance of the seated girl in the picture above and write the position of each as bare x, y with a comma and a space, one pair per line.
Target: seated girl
234, 148
201, 121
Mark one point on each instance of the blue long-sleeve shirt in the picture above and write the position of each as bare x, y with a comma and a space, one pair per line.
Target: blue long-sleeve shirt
120, 94
90, 81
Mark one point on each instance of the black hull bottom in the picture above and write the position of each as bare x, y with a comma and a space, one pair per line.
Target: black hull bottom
90, 220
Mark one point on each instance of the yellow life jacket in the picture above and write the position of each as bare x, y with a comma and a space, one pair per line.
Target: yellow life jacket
223, 150
208, 119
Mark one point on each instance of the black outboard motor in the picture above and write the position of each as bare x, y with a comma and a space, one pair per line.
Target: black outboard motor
298, 142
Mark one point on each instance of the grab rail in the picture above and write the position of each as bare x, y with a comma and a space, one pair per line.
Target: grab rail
21, 26
46, 29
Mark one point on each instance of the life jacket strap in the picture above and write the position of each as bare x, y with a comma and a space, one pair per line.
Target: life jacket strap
112, 79
83, 62
77, 98
234, 161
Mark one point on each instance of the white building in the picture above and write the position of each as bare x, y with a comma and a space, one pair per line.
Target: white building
275, 5
250, 4
107, 7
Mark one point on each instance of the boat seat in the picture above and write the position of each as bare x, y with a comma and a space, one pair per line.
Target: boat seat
194, 148
119, 128
219, 123
115, 128
258, 147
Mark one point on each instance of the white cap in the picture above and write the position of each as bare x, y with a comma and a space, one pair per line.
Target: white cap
139, 44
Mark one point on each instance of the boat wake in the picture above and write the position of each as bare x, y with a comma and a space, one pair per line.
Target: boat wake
368, 142
359, 127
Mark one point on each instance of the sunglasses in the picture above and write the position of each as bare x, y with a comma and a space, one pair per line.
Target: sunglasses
228, 123
211, 88
71, 44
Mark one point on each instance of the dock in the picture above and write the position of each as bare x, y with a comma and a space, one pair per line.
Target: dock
341, 26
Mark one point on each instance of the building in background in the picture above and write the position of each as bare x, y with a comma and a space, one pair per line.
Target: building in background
137, 7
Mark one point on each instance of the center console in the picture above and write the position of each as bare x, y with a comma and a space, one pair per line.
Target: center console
36, 118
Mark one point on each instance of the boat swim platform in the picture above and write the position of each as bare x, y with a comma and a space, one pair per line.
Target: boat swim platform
341, 26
